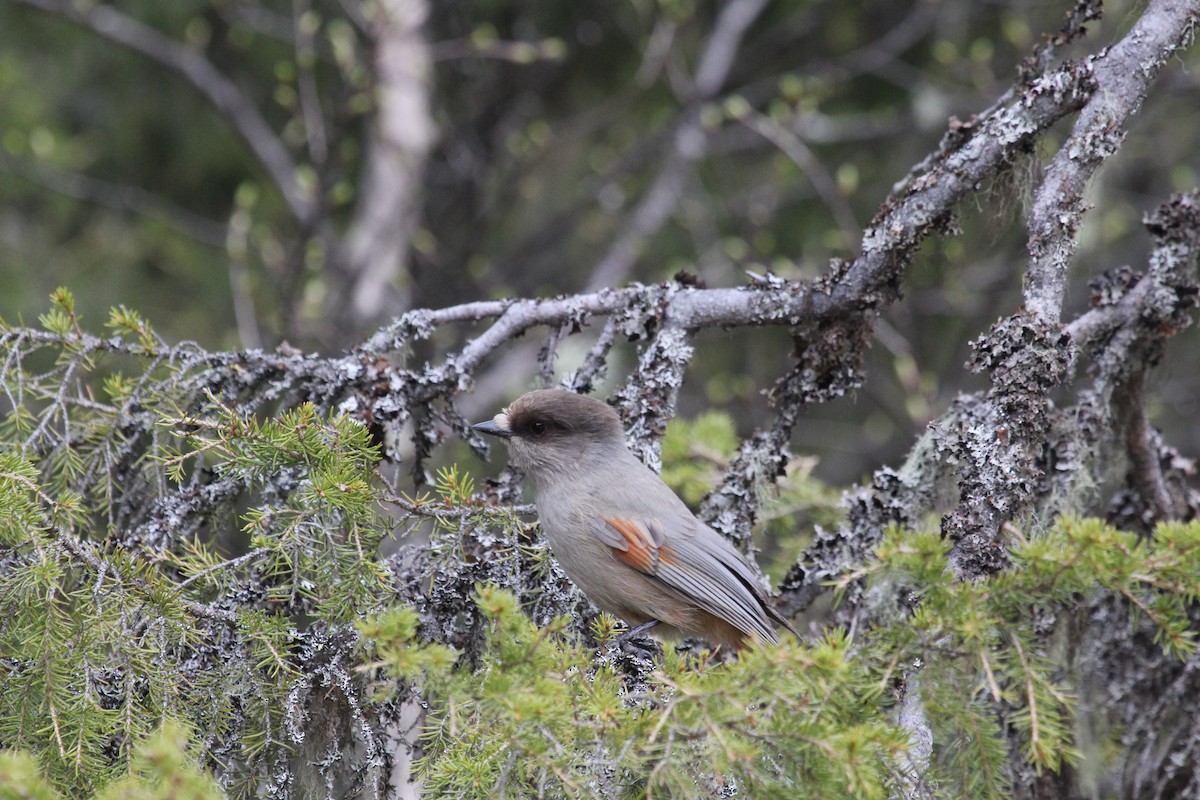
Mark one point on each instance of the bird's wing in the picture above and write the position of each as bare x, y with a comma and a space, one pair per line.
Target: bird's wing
695, 562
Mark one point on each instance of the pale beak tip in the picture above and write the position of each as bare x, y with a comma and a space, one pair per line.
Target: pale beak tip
492, 429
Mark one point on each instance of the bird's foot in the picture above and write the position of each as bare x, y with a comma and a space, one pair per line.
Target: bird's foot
633, 644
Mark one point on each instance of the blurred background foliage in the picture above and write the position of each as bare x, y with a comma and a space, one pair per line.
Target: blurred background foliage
555, 125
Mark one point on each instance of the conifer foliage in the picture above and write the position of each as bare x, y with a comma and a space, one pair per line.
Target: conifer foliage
193, 596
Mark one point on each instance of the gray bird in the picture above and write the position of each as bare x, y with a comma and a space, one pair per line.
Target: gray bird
625, 539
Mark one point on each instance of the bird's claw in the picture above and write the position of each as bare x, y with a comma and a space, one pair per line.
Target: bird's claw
643, 648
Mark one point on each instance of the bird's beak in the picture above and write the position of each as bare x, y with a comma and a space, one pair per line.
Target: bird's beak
492, 429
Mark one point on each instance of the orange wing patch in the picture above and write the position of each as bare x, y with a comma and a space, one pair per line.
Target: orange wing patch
640, 546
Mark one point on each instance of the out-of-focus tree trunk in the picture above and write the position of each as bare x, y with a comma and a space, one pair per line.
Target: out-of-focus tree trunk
390, 196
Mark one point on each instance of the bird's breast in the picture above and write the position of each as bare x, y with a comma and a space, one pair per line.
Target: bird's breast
588, 561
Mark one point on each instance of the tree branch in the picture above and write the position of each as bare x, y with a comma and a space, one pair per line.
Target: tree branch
190, 63
1028, 354
994, 439
119, 197
656, 205
1123, 73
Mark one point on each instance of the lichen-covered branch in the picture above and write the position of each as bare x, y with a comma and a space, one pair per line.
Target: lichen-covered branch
996, 441
1001, 436
1123, 74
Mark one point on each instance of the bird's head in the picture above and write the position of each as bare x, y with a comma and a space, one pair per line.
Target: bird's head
553, 431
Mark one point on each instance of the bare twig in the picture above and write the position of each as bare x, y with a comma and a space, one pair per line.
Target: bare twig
1145, 472
189, 62
824, 183
656, 205
310, 99
119, 197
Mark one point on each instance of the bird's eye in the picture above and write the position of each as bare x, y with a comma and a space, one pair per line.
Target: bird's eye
537, 426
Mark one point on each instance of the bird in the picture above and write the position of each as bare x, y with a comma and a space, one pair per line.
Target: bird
622, 536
